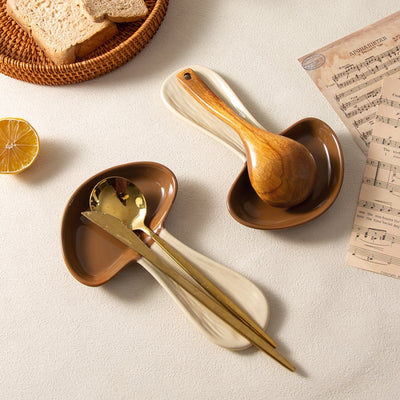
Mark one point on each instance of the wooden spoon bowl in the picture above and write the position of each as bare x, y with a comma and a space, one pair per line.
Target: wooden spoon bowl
281, 170
243, 203
246, 207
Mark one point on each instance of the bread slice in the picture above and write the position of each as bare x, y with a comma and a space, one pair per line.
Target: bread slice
115, 10
62, 29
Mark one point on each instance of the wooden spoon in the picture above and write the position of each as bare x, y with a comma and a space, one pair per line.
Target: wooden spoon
281, 170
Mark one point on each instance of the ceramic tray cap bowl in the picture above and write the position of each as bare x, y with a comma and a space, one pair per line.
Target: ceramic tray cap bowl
243, 203
247, 208
92, 256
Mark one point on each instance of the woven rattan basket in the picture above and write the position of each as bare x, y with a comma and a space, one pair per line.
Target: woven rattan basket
22, 59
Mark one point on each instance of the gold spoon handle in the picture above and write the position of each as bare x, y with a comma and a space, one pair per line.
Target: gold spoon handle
120, 231
209, 286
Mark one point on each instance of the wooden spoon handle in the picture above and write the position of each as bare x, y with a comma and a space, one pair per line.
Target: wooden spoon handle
281, 170
198, 89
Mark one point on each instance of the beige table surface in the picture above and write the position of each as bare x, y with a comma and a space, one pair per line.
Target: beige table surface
127, 340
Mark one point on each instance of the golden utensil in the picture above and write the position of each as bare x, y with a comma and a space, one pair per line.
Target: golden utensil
119, 230
121, 198
94, 257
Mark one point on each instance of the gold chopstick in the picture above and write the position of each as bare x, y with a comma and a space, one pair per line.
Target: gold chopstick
212, 289
120, 231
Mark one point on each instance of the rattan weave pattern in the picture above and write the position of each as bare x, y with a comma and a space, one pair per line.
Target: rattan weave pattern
22, 59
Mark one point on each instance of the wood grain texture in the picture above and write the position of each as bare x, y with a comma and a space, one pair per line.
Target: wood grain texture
281, 170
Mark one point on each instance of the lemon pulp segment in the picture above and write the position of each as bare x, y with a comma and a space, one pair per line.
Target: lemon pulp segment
19, 145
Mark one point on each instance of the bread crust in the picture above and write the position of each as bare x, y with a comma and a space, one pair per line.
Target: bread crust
115, 10
59, 49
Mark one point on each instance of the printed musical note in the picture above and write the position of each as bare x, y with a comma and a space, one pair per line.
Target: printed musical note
387, 141
360, 77
375, 235
366, 97
364, 75
365, 64
374, 257
389, 102
350, 72
375, 239
364, 120
382, 208
361, 109
381, 165
389, 121
391, 187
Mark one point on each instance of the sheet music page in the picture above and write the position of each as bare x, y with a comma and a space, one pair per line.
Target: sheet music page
349, 73
375, 237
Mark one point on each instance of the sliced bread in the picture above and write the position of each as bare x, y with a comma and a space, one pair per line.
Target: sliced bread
62, 29
116, 10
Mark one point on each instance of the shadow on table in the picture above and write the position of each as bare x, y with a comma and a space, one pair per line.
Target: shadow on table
337, 221
53, 157
178, 34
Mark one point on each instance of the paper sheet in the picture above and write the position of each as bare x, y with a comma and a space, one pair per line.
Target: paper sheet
375, 238
349, 73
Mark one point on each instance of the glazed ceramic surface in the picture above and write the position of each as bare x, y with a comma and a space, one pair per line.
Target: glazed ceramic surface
93, 257
281, 170
243, 203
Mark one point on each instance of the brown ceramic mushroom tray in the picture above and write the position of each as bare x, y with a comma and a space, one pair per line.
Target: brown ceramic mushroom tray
247, 208
92, 256
243, 203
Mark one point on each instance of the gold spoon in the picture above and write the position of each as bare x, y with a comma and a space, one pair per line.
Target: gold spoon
122, 199
94, 258
281, 170
123, 233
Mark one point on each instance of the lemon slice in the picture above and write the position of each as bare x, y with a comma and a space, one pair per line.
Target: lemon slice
19, 145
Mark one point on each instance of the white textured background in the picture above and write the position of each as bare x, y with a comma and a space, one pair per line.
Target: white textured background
127, 339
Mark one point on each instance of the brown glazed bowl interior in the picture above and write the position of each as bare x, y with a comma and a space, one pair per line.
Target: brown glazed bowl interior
93, 256
247, 208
